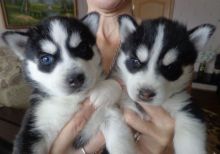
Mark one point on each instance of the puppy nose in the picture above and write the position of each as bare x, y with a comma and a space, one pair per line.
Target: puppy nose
146, 94
76, 80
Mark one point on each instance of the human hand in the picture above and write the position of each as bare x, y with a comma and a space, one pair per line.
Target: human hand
107, 92
156, 132
64, 141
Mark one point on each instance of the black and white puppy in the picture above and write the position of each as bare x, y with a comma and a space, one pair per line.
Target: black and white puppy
155, 63
63, 65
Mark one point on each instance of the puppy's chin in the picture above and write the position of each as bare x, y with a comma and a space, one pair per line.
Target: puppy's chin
61, 92
158, 100
81, 90
149, 102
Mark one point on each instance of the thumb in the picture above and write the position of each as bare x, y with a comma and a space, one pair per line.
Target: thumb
95, 144
140, 125
147, 128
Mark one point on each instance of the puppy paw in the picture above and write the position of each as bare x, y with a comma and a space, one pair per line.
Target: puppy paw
106, 92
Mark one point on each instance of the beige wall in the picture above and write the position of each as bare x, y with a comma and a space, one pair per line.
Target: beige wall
195, 12
1, 19
82, 8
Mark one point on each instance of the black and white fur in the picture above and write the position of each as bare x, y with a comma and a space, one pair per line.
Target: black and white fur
62, 63
155, 63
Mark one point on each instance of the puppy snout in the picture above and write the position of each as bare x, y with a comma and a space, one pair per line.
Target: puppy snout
76, 80
146, 94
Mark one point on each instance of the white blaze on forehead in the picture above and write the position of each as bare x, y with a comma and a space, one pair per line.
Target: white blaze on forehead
58, 32
75, 40
142, 53
158, 43
156, 49
170, 57
48, 47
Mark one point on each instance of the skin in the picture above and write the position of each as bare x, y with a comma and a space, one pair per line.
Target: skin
108, 39
156, 132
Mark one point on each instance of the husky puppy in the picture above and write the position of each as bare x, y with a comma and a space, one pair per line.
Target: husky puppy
63, 65
155, 62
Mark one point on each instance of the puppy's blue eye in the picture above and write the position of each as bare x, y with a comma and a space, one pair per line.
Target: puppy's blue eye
46, 59
136, 63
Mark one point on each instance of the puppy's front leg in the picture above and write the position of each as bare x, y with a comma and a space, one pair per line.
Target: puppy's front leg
28, 140
106, 92
118, 136
23, 145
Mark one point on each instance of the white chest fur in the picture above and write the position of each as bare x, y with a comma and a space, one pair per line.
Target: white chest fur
52, 114
175, 104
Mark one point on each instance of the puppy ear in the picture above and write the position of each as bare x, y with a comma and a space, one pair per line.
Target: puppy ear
201, 34
127, 25
91, 20
16, 41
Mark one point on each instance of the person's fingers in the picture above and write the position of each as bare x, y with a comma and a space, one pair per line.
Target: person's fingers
157, 114
151, 109
134, 121
163, 122
73, 127
157, 132
96, 143
144, 127
160, 117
